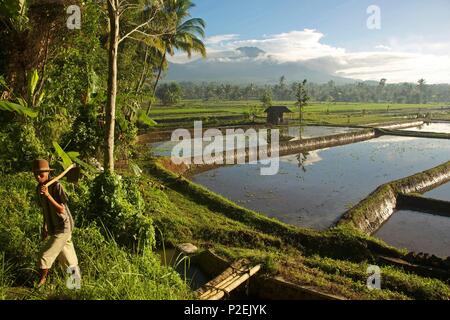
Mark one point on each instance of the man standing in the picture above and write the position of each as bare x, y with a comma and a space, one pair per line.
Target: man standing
58, 224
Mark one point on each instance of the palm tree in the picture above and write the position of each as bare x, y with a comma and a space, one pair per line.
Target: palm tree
186, 38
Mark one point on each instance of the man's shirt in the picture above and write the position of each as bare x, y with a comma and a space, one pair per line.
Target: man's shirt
56, 223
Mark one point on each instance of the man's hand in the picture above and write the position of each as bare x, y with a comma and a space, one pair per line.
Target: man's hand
44, 234
44, 191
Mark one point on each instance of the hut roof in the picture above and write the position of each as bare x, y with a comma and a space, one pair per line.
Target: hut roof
278, 109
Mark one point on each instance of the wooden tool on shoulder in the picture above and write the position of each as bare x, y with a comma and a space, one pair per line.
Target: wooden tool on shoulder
72, 173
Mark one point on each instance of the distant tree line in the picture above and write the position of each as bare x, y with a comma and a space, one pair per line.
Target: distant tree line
419, 92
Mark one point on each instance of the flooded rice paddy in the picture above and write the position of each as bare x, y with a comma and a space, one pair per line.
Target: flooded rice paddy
438, 127
307, 132
314, 189
418, 232
440, 193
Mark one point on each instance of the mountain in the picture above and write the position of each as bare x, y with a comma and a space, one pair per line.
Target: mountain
246, 65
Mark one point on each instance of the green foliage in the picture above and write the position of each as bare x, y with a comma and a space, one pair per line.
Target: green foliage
302, 94
145, 119
20, 222
302, 98
15, 12
266, 98
22, 107
19, 108
6, 276
116, 204
66, 161
125, 136
400, 93
33, 78
169, 93
19, 145
253, 113
85, 135
77, 71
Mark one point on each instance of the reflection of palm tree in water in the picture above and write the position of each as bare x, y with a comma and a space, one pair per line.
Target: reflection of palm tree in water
302, 157
300, 132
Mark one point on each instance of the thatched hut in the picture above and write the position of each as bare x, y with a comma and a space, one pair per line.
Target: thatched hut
275, 114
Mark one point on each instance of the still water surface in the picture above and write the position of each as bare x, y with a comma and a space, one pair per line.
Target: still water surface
314, 189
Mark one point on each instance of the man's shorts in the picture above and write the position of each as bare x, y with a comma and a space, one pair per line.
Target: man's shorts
58, 246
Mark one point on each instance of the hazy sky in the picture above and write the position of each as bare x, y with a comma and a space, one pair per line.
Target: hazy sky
413, 41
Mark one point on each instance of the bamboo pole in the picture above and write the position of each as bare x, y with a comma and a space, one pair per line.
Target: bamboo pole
229, 284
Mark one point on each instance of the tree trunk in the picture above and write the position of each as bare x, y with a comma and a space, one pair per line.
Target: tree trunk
112, 84
156, 81
143, 74
301, 115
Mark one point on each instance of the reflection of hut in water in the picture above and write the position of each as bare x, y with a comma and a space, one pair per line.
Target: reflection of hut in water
275, 114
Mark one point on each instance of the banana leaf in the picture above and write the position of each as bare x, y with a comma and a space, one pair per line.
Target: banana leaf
18, 108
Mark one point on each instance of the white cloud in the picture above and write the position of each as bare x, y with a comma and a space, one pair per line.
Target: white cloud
383, 47
220, 38
398, 60
293, 46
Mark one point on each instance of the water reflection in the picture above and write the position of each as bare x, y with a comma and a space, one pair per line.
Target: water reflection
164, 149
438, 127
314, 189
302, 159
417, 231
440, 193
307, 132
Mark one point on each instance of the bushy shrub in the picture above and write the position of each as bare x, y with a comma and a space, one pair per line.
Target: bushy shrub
52, 128
118, 206
19, 145
79, 199
157, 200
85, 135
125, 136
20, 224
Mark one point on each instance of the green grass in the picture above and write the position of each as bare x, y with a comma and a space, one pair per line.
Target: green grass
216, 112
109, 271
239, 107
393, 279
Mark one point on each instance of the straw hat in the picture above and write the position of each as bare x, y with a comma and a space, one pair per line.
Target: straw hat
41, 165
